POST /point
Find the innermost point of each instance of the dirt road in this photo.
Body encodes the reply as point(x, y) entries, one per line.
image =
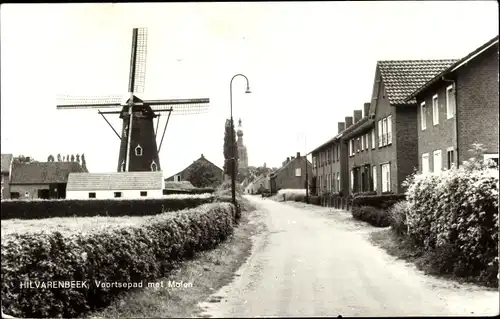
point(315, 261)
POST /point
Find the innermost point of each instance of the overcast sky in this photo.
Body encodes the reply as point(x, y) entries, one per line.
point(309, 65)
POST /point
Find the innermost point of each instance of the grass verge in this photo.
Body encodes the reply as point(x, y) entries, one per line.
point(402, 248)
point(199, 278)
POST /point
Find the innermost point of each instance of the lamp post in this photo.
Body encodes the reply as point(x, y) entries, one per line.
point(233, 141)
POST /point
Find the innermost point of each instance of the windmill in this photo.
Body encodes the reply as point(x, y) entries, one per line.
point(138, 146)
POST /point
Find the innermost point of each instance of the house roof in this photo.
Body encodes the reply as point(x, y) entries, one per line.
point(402, 77)
point(202, 158)
point(6, 162)
point(274, 174)
point(43, 172)
point(115, 181)
point(330, 141)
point(455, 66)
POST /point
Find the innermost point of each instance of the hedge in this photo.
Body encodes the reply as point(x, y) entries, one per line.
point(37, 209)
point(384, 202)
point(171, 191)
point(129, 254)
point(374, 216)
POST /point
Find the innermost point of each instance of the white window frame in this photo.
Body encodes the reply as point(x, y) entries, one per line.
point(177, 178)
point(386, 172)
point(437, 153)
point(374, 177)
point(423, 116)
point(435, 109)
point(389, 130)
point(338, 181)
point(357, 145)
point(425, 163)
point(362, 143)
point(298, 172)
point(138, 150)
point(373, 139)
point(450, 108)
point(153, 164)
point(491, 156)
point(379, 131)
point(384, 131)
point(448, 150)
point(367, 136)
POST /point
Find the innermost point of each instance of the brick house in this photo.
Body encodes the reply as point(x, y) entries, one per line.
point(390, 127)
point(41, 180)
point(328, 162)
point(459, 107)
point(184, 174)
point(6, 174)
point(292, 174)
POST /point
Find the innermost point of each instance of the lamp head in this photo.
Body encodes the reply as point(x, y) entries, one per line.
point(248, 90)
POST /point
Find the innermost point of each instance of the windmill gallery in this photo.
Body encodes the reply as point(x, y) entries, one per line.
point(139, 171)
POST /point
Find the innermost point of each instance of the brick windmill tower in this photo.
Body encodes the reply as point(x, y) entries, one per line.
point(138, 146)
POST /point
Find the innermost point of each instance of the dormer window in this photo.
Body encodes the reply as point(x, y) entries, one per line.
point(138, 150)
point(154, 167)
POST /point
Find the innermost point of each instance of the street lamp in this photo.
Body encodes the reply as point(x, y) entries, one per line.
point(233, 141)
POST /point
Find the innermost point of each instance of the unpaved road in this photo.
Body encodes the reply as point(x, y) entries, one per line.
point(315, 261)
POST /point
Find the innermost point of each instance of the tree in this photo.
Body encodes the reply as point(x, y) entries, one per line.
point(72, 157)
point(201, 175)
point(58, 157)
point(78, 158)
point(227, 148)
point(50, 158)
point(67, 158)
point(23, 159)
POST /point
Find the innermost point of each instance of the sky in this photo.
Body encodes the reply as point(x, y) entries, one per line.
point(309, 64)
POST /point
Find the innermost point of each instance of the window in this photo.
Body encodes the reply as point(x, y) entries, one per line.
point(384, 132)
point(315, 162)
point(386, 178)
point(423, 116)
point(91, 195)
point(338, 181)
point(367, 138)
point(27, 194)
point(435, 110)
point(380, 133)
point(450, 158)
point(425, 163)
point(374, 177)
point(437, 162)
point(352, 180)
point(450, 102)
point(144, 194)
point(297, 172)
point(328, 182)
point(357, 144)
point(177, 178)
point(362, 143)
point(350, 147)
point(14, 195)
point(154, 167)
point(389, 129)
point(373, 138)
point(138, 150)
point(493, 158)
point(118, 194)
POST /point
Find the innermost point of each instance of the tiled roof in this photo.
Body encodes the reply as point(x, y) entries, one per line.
point(115, 181)
point(43, 172)
point(6, 161)
point(201, 159)
point(402, 78)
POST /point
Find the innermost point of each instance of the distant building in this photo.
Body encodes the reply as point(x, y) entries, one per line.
point(292, 174)
point(457, 108)
point(242, 149)
point(209, 166)
point(6, 174)
point(127, 185)
point(41, 180)
point(262, 182)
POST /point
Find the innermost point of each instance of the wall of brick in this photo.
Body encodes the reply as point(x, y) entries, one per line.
point(286, 179)
point(405, 143)
point(477, 103)
point(32, 190)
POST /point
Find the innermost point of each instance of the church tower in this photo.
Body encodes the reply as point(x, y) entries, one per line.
point(242, 150)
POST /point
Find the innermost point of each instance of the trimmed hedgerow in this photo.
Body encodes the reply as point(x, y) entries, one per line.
point(458, 209)
point(384, 202)
point(37, 209)
point(130, 254)
point(374, 216)
point(171, 191)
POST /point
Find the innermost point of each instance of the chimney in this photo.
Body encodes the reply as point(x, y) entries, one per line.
point(341, 127)
point(358, 115)
point(348, 121)
point(288, 160)
point(298, 154)
point(367, 109)
point(202, 156)
point(292, 158)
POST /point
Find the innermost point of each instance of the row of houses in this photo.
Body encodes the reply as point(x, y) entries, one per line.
point(423, 114)
point(57, 180)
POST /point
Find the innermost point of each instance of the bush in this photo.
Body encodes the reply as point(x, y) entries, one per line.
point(37, 209)
point(458, 209)
point(225, 189)
point(129, 254)
point(315, 200)
point(291, 194)
point(361, 194)
point(372, 215)
point(397, 214)
point(192, 191)
point(384, 202)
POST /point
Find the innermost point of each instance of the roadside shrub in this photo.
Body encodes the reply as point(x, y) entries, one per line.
point(397, 214)
point(372, 215)
point(130, 254)
point(36, 209)
point(458, 209)
point(191, 191)
point(225, 189)
point(361, 194)
point(291, 194)
point(384, 202)
point(315, 200)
